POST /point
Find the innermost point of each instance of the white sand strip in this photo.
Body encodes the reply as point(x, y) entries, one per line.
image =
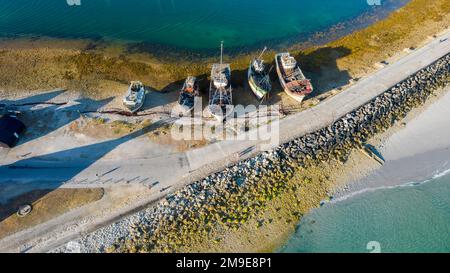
point(419, 151)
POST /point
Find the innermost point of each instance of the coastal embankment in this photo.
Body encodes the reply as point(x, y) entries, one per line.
point(205, 215)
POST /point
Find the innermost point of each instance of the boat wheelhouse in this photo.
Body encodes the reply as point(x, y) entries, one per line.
point(291, 77)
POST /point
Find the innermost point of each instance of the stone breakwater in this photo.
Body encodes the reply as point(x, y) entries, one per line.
point(228, 199)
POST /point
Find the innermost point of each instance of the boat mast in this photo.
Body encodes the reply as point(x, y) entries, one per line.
point(262, 53)
point(221, 71)
point(221, 53)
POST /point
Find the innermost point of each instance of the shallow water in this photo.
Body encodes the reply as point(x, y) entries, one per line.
point(409, 218)
point(192, 24)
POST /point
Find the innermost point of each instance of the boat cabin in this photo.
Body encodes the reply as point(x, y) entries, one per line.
point(136, 86)
point(258, 65)
point(220, 75)
point(288, 62)
point(190, 84)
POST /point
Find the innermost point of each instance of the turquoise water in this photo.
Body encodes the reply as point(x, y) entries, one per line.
point(401, 219)
point(191, 24)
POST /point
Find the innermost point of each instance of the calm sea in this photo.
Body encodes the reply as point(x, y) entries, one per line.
point(190, 24)
point(409, 218)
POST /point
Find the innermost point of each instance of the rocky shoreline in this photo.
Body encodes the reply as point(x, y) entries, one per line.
point(228, 199)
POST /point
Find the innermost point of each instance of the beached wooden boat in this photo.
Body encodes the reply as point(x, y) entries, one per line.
point(371, 152)
point(258, 77)
point(135, 96)
point(291, 77)
point(188, 93)
point(220, 91)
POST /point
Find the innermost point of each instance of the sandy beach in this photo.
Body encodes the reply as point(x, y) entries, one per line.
point(417, 151)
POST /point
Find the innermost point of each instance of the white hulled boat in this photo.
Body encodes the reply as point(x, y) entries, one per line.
point(291, 77)
point(220, 91)
point(135, 96)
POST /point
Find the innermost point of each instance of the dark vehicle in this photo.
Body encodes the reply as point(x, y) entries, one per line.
point(10, 130)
